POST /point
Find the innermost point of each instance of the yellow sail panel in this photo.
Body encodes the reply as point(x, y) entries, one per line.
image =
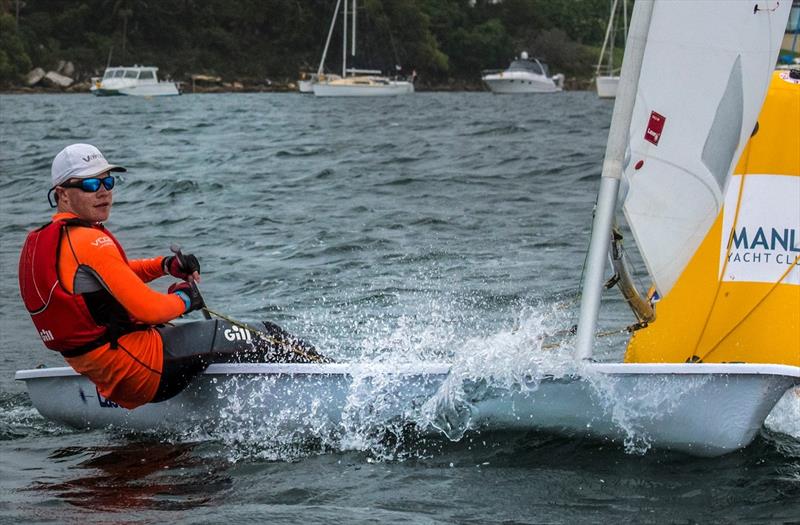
point(738, 299)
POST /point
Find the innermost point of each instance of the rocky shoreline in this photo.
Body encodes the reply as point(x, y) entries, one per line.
point(243, 87)
point(59, 81)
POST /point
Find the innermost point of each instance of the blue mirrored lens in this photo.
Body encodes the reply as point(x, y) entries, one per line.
point(93, 184)
point(90, 184)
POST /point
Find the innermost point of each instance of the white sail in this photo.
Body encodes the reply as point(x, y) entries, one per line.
point(692, 118)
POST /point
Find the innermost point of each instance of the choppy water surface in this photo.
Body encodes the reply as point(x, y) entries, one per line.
point(435, 226)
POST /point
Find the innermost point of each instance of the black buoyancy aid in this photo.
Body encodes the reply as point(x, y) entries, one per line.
point(63, 320)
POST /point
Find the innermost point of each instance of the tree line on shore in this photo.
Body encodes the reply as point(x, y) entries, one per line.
point(446, 42)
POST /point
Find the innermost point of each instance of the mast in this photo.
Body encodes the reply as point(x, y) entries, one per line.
point(612, 25)
point(610, 178)
point(605, 40)
point(353, 46)
point(344, 42)
point(328, 40)
point(625, 19)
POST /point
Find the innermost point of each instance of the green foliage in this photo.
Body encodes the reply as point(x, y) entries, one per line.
point(14, 61)
point(252, 39)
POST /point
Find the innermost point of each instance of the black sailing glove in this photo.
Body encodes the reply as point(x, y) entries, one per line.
point(190, 295)
point(181, 266)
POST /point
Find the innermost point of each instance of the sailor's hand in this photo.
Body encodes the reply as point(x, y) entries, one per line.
point(183, 266)
point(190, 294)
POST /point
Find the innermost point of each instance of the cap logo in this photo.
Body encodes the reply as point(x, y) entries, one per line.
point(90, 158)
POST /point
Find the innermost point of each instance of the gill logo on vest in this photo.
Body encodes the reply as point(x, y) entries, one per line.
point(102, 241)
point(237, 334)
point(46, 335)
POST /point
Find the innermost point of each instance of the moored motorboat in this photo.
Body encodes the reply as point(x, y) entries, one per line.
point(138, 81)
point(524, 75)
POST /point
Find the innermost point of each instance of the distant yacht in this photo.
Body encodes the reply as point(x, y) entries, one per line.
point(361, 82)
point(524, 75)
point(606, 77)
point(139, 81)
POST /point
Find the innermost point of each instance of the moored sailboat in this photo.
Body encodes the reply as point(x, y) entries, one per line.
point(606, 77)
point(360, 82)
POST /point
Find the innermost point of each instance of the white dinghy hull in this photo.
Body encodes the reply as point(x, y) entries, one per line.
point(701, 409)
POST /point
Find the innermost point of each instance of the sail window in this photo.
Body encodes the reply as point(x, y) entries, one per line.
point(723, 137)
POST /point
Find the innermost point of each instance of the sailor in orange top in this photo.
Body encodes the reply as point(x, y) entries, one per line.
point(90, 302)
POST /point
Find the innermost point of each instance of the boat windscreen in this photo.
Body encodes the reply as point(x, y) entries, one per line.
point(526, 65)
point(119, 73)
point(146, 75)
point(108, 74)
point(131, 73)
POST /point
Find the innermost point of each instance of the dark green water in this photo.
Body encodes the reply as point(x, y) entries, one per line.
point(435, 224)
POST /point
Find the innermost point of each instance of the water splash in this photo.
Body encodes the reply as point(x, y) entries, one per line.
point(385, 414)
point(785, 417)
point(514, 358)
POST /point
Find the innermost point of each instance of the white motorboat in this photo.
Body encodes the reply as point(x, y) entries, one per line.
point(524, 75)
point(361, 82)
point(701, 377)
point(137, 81)
point(606, 77)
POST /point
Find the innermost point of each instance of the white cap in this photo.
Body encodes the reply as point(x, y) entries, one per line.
point(79, 161)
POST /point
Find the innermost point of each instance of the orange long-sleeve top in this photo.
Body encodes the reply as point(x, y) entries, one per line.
point(130, 373)
point(94, 250)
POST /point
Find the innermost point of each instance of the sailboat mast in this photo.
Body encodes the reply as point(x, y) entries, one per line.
point(610, 178)
point(605, 40)
point(344, 42)
point(625, 19)
point(353, 45)
point(328, 40)
point(613, 27)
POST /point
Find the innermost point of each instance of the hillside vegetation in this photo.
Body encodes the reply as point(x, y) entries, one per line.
point(444, 41)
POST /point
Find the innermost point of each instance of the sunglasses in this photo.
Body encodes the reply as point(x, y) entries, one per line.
point(92, 184)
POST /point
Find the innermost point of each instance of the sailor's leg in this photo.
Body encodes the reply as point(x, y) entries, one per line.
point(285, 347)
point(187, 353)
point(189, 348)
point(240, 344)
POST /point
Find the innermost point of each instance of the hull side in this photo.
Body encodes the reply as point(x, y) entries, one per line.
point(706, 412)
point(606, 86)
point(322, 89)
point(513, 84)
